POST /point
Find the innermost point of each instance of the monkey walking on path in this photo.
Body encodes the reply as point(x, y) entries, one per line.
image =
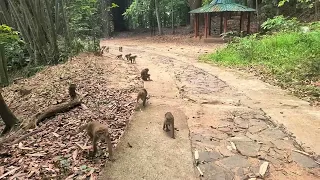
point(120, 48)
point(127, 56)
point(119, 56)
point(169, 120)
point(142, 94)
point(96, 132)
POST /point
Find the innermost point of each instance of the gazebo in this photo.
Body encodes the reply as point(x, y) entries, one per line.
point(222, 7)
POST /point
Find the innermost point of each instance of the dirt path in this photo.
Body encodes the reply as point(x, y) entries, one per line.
point(232, 118)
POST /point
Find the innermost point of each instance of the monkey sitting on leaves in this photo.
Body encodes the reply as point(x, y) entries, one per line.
point(169, 120)
point(144, 75)
point(96, 132)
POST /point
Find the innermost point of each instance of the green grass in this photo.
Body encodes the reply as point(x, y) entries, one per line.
point(290, 59)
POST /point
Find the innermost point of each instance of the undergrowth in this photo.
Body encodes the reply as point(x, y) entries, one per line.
point(290, 59)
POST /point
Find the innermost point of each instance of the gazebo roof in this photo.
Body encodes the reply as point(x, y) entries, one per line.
point(222, 6)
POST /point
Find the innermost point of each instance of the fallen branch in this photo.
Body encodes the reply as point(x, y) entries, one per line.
point(57, 109)
point(302, 152)
point(10, 172)
point(52, 111)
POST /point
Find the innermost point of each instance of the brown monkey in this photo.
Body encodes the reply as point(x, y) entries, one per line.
point(128, 56)
point(142, 94)
point(169, 120)
point(98, 131)
point(100, 52)
point(120, 48)
point(23, 91)
point(132, 58)
point(72, 91)
point(119, 56)
point(144, 74)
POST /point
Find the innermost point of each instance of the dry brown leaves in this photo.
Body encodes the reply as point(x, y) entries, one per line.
point(56, 152)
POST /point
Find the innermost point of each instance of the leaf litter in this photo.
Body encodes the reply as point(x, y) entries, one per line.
point(57, 151)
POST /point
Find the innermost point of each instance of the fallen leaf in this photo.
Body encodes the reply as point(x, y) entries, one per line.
point(55, 134)
point(74, 155)
point(36, 154)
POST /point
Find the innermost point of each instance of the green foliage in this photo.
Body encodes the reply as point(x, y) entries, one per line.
point(140, 13)
point(303, 3)
point(15, 51)
point(292, 58)
point(83, 15)
point(7, 35)
point(280, 23)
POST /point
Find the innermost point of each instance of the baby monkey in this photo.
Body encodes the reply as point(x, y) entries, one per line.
point(133, 59)
point(128, 56)
point(144, 74)
point(169, 120)
point(142, 94)
point(100, 53)
point(72, 91)
point(120, 48)
point(96, 132)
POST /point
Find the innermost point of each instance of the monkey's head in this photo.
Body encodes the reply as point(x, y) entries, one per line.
point(146, 69)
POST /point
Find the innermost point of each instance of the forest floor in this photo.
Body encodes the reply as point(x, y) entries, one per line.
point(234, 121)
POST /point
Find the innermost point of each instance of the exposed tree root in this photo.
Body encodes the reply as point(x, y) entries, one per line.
point(51, 111)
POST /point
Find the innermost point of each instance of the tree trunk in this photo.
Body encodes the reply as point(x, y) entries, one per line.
point(3, 68)
point(7, 116)
point(194, 4)
point(172, 17)
point(158, 16)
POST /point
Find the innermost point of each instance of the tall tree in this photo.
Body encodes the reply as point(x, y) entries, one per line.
point(156, 3)
point(7, 116)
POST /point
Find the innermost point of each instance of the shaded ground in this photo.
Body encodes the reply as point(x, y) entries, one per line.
point(55, 152)
point(235, 120)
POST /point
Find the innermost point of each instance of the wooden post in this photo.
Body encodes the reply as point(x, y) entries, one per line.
point(210, 24)
point(225, 23)
point(221, 22)
point(195, 25)
point(248, 25)
point(198, 24)
point(241, 21)
point(205, 25)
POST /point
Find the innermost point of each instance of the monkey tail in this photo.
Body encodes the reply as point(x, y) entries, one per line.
point(82, 128)
point(173, 129)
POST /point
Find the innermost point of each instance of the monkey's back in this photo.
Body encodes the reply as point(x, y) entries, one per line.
point(95, 127)
point(169, 116)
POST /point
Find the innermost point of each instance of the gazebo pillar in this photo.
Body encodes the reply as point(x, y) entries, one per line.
point(209, 24)
point(248, 25)
point(196, 25)
point(225, 22)
point(206, 24)
point(221, 22)
point(241, 21)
